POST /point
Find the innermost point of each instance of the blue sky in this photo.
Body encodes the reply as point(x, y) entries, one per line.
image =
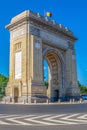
point(71, 13)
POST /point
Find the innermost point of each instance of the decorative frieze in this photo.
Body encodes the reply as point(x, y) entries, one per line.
point(17, 33)
point(34, 31)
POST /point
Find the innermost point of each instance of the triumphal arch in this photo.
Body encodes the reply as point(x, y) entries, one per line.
point(34, 38)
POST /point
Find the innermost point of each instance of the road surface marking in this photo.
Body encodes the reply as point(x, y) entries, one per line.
point(58, 120)
point(74, 119)
point(20, 122)
point(40, 122)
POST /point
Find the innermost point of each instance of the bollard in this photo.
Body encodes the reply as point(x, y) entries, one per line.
point(47, 101)
point(70, 101)
point(59, 101)
point(24, 101)
point(35, 101)
point(80, 100)
point(29, 101)
point(13, 101)
point(73, 100)
point(5, 101)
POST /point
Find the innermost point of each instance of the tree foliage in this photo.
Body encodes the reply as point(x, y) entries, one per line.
point(3, 83)
point(83, 89)
point(46, 84)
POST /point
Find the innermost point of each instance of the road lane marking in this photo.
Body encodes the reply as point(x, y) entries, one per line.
point(83, 116)
point(7, 116)
point(58, 120)
point(20, 122)
point(40, 122)
point(74, 119)
point(43, 120)
point(70, 116)
point(4, 123)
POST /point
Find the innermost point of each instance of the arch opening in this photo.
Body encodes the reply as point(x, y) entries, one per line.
point(53, 75)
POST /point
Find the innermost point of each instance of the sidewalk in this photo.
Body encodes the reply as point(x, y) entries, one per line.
point(46, 103)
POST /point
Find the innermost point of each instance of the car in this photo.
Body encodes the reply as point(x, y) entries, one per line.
point(84, 97)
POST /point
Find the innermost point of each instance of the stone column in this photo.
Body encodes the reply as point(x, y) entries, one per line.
point(68, 67)
point(72, 86)
point(36, 66)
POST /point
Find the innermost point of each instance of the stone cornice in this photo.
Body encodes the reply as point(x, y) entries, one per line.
point(37, 18)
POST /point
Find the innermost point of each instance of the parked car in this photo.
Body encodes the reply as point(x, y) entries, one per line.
point(84, 97)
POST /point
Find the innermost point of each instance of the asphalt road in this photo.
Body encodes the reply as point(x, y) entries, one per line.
point(69, 127)
point(42, 109)
point(40, 117)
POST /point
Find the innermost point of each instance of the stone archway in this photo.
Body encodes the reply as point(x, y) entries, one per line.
point(56, 73)
point(16, 94)
point(33, 38)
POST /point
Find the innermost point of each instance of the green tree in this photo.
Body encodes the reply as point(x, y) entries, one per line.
point(3, 84)
point(46, 84)
point(83, 89)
